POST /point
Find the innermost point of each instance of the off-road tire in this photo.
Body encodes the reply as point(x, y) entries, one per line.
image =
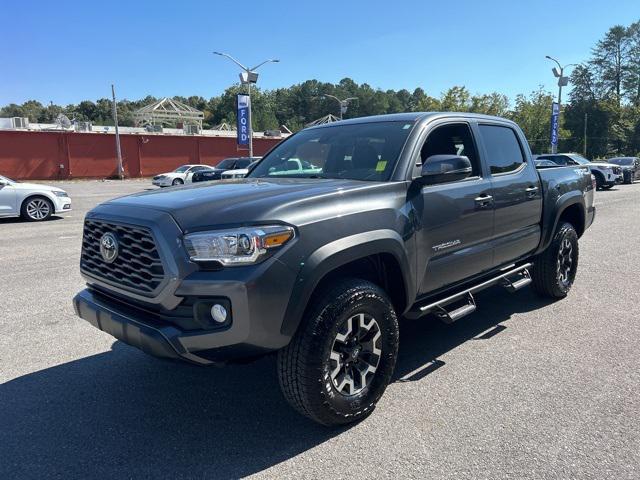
point(546, 271)
point(304, 366)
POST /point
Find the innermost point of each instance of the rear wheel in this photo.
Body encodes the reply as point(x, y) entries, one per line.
point(36, 209)
point(342, 357)
point(555, 268)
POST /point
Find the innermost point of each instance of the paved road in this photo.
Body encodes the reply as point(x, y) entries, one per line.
point(523, 388)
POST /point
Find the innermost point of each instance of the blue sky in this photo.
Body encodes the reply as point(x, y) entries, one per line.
point(66, 51)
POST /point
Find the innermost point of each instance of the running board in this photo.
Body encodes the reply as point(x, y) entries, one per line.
point(513, 279)
point(458, 313)
point(521, 280)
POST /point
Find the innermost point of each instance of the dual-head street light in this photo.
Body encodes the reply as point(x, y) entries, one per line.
point(562, 82)
point(344, 104)
point(247, 77)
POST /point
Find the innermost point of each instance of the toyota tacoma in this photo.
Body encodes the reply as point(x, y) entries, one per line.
point(395, 215)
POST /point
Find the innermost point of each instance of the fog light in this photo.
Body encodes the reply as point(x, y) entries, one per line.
point(219, 313)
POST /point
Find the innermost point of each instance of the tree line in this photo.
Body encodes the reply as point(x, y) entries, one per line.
point(605, 99)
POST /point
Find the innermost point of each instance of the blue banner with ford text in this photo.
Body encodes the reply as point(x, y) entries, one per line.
point(555, 113)
point(244, 128)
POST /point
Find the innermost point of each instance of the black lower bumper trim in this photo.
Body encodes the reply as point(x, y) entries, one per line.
point(156, 340)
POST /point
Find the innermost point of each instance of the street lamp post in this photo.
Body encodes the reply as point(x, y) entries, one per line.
point(247, 77)
point(562, 82)
point(343, 103)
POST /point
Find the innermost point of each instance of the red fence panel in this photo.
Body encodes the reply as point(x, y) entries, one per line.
point(60, 155)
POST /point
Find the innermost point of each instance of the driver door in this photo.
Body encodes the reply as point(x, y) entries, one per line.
point(454, 238)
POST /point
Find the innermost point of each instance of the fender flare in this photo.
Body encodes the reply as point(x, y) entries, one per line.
point(336, 254)
point(551, 220)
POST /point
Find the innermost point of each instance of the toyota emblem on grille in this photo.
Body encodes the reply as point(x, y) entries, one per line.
point(109, 247)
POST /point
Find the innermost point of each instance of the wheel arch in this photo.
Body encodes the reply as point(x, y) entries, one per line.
point(378, 256)
point(32, 195)
point(570, 208)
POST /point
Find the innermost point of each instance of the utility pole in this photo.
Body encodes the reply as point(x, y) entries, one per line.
point(562, 82)
point(248, 76)
point(115, 120)
point(584, 148)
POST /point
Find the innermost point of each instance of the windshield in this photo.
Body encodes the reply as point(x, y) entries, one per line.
point(364, 151)
point(621, 161)
point(6, 179)
point(579, 159)
point(226, 163)
point(182, 169)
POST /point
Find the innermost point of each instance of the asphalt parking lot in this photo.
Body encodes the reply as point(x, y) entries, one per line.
point(523, 388)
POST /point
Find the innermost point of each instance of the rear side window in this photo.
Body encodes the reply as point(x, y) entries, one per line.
point(504, 154)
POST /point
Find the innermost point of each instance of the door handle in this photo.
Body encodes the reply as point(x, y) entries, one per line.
point(532, 192)
point(483, 200)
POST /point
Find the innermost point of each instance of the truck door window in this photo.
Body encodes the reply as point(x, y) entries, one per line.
point(504, 154)
point(452, 139)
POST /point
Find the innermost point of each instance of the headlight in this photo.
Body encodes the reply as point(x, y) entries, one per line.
point(60, 193)
point(241, 246)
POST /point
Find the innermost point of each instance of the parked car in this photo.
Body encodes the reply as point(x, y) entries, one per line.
point(179, 176)
point(31, 201)
point(241, 173)
point(607, 174)
point(630, 167)
point(545, 163)
point(215, 173)
point(403, 215)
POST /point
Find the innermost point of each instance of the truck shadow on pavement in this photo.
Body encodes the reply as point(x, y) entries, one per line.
point(123, 414)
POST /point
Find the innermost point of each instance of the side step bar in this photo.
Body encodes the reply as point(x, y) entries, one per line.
point(513, 279)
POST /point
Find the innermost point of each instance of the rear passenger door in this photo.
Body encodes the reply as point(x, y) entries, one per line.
point(517, 192)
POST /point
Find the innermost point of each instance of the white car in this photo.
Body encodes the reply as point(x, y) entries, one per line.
point(237, 173)
point(607, 174)
point(240, 173)
point(31, 201)
point(179, 176)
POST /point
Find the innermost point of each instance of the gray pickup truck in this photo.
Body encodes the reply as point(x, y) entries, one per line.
point(396, 215)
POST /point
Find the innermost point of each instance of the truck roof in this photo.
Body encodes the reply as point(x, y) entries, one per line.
point(412, 117)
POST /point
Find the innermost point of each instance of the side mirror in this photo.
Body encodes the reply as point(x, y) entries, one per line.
point(445, 168)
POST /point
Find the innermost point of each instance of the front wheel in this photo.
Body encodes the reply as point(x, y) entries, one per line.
point(343, 355)
point(37, 209)
point(555, 269)
point(177, 181)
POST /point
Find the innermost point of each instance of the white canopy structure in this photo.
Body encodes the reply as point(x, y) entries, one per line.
point(322, 120)
point(170, 111)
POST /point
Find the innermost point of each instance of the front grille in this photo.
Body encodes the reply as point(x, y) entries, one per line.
point(616, 170)
point(137, 267)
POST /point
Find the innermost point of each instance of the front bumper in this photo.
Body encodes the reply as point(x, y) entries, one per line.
point(154, 339)
point(62, 204)
point(256, 307)
point(165, 182)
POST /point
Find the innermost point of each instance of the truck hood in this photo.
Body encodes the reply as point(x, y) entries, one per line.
point(246, 201)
